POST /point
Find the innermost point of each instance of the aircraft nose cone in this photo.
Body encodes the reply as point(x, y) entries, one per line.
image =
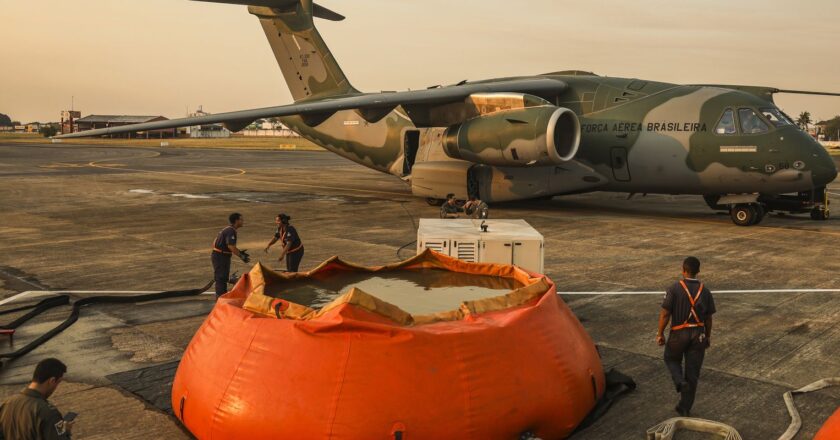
point(825, 171)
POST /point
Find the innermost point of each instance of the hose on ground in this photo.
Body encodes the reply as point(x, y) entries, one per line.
point(795, 420)
point(49, 303)
point(413, 224)
point(667, 429)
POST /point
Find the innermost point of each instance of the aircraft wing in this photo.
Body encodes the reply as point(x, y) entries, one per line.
point(418, 104)
point(767, 92)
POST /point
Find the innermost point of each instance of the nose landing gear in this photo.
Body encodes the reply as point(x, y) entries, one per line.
point(750, 209)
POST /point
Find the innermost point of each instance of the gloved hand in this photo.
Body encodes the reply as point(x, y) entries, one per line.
point(243, 254)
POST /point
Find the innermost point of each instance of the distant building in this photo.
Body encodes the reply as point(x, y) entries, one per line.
point(265, 127)
point(206, 131)
point(68, 121)
point(33, 127)
point(828, 130)
point(94, 122)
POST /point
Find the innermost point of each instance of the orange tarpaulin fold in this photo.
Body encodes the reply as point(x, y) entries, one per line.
point(361, 368)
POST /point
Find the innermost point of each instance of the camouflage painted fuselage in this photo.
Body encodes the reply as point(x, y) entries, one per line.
point(636, 136)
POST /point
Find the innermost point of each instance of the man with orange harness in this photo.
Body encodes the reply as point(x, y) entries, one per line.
point(292, 246)
point(689, 306)
point(223, 247)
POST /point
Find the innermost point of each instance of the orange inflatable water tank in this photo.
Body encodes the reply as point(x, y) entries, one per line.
point(263, 367)
point(831, 428)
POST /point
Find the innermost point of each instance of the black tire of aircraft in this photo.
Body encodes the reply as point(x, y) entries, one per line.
point(819, 214)
point(746, 214)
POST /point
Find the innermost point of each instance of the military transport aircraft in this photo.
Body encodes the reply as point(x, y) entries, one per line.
point(539, 136)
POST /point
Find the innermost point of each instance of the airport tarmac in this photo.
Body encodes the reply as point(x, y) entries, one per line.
point(134, 219)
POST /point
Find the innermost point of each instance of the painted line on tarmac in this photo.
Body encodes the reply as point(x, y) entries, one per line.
point(662, 292)
point(40, 293)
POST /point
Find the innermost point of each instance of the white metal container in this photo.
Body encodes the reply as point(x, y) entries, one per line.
point(505, 241)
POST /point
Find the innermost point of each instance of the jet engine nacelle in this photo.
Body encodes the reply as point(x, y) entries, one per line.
point(545, 135)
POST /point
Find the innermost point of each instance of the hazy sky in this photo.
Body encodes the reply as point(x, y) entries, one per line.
point(164, 56)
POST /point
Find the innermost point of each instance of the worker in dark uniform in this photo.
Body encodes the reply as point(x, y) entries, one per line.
point(477, 209)
point(28, 415)
point(689, 307)
point(450, 208)
point(223, 247)
point(288, 236)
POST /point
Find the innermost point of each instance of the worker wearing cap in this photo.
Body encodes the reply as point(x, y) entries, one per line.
point(288, 236)
point(689, 307)
point(223, 247)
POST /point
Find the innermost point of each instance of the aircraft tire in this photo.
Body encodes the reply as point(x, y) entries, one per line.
point(760, 212)
point(819, 214)
point(743, 214)
point(434, 202)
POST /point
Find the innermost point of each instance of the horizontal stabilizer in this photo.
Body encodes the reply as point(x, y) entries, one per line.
point(283, 5)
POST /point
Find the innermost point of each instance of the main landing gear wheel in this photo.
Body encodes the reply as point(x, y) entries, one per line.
point(746, 214)
point(819, 214)
point(760, 211)
point(434, 202)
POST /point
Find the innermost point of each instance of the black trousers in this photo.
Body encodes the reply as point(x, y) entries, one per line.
point(221, 271)
point(293, 260)
point(685, 344)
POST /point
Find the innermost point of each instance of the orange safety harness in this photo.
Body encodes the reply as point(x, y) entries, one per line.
point(283, 240)
point(216, 249)
point(692, 312)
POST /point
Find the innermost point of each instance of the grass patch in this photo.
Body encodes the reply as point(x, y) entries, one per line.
point(22, 136)
point(236, 142)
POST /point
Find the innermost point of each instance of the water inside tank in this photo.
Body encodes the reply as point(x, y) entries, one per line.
point(420, 291)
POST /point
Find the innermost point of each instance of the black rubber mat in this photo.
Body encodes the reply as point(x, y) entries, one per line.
point(152, 384)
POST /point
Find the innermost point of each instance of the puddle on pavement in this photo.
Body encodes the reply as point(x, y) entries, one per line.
point(287, 197)
point(262, 197)
point(417, 292)
point(190, 196)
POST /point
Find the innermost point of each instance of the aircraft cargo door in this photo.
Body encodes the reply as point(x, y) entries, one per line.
point(620, 167)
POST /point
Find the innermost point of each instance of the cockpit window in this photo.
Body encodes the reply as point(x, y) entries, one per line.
point(727, 123)
point(775, 117)
point(751, 123)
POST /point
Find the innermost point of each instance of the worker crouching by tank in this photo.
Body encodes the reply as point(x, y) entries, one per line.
point(288, 236)
point(689, 307)
point(450, 207)
point(475, 208)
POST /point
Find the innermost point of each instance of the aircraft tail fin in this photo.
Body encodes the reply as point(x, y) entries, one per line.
point(307, 64)
point(304, 58)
